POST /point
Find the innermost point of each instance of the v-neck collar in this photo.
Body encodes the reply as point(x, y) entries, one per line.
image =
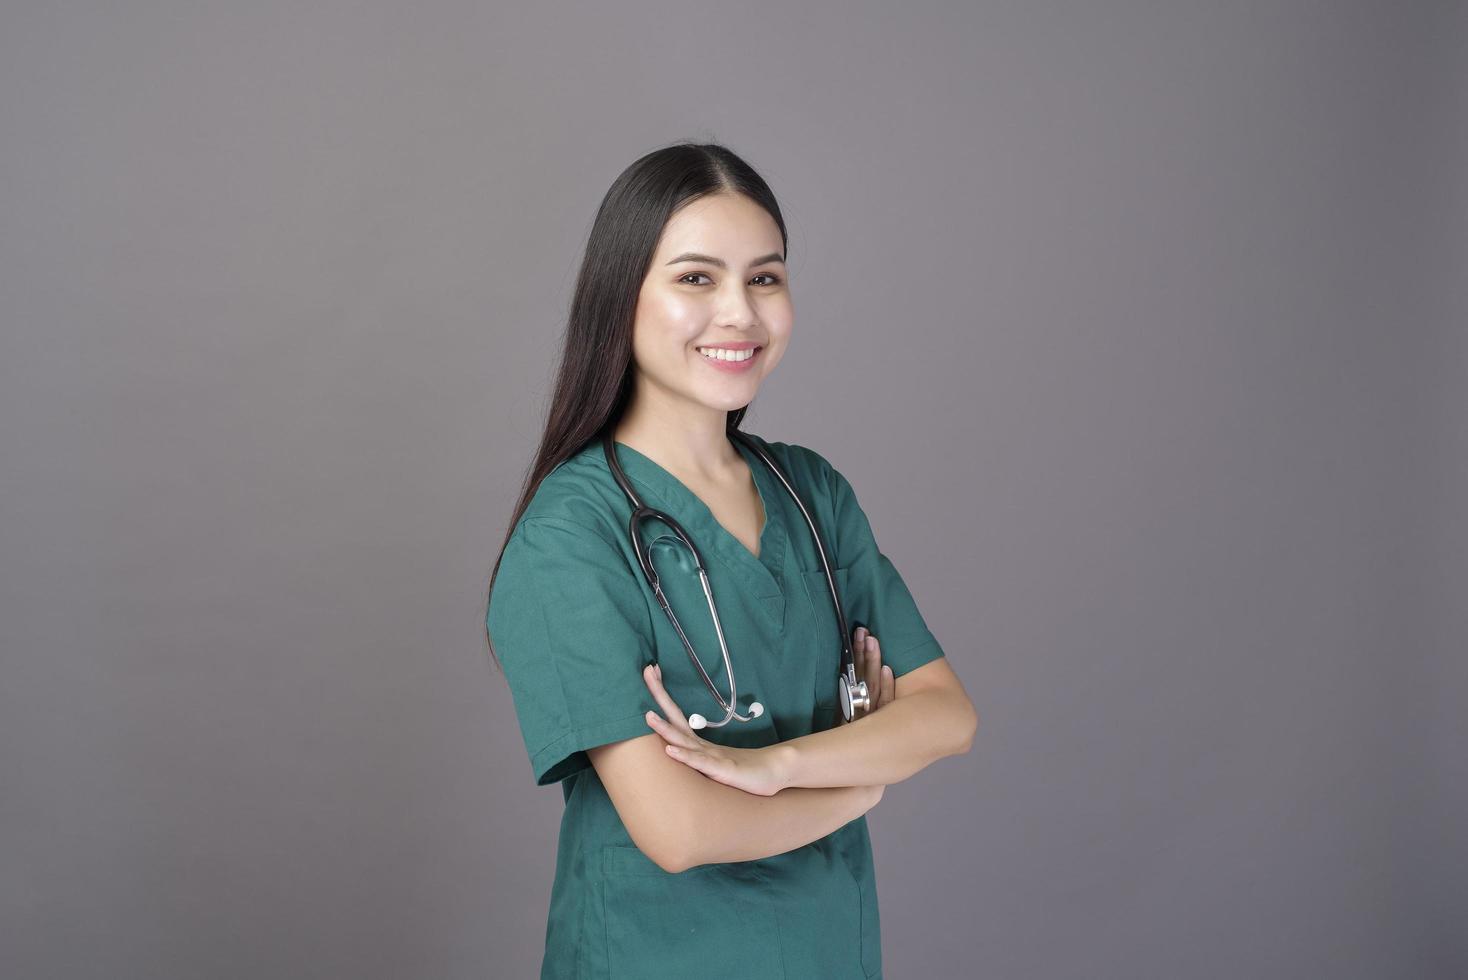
point(760, 575)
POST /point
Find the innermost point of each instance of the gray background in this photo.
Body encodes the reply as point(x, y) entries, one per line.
point(1137, 327)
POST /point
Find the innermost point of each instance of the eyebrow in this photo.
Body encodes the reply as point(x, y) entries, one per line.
point(710, 260)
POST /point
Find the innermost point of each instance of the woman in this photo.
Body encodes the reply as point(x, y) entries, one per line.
point(739, 847)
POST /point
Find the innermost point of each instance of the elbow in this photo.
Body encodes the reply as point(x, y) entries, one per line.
point(673, 847)
point(678, 856)
point(677, 851)
point(665, 854)
point(969, 730)
point(672, 864)
point(663, 843)
point(672, 852)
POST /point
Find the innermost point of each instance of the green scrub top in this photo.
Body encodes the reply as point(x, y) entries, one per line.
point(573, 623)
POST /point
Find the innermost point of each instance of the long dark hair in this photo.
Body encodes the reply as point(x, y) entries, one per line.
point(596, 376)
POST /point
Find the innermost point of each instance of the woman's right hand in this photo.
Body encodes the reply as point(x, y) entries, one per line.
point(866, 655)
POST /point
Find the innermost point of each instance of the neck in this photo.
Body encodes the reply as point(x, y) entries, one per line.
point(681, 439)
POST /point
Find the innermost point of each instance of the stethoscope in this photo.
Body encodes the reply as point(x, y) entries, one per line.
point(853, 692)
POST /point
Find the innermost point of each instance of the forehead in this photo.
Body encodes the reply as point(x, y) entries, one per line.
point(728, 226)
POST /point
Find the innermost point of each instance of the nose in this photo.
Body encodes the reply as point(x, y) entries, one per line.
point(735, 308)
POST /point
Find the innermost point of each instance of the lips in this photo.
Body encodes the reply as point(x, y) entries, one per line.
point(732, 345)
point(732, 367)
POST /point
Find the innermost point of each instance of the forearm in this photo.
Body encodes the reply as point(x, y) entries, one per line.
point(902, 737)
point(732, 825)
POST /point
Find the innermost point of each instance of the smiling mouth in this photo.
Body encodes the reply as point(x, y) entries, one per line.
point(723, 355)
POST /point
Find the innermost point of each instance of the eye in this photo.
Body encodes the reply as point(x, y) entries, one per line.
point(774, 279)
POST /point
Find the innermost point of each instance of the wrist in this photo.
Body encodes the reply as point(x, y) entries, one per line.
point(787, 763)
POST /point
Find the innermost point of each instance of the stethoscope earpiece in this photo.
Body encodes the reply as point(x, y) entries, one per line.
point(697, 721)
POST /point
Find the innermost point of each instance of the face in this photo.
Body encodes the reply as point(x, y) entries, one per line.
point(735, 296)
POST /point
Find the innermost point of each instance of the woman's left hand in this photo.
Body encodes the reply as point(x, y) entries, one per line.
point(758, 771)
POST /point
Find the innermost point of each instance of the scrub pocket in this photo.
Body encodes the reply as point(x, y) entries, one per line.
point(694, 923)
point(826, 640)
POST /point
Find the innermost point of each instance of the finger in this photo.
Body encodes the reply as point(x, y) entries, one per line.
point(670, 734)
point(670, 710)
point(874, 672)
point(653, 675)
point(701, 761)
point(715, 767)
point(889, 686)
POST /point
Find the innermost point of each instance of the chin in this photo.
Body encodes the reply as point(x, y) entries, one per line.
point(727, 403)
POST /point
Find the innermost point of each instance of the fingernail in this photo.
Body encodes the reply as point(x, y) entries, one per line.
point(659, 669)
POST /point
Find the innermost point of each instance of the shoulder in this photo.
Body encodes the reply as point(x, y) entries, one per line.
point(802, 464)
point(579, 492)
point(808, 469)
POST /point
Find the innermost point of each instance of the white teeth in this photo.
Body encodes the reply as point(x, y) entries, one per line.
point(720, 354)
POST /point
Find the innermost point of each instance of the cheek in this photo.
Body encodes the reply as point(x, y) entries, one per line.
point(777, 314)
point(680, 317)
point(673, 309)
point(781, 325)
point(771, 357)
point(664, 323)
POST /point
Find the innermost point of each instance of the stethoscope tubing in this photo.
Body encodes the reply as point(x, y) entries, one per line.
point(641, 512)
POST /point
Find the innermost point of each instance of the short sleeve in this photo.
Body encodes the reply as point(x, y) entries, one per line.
point(876, 596)
point(571, 627)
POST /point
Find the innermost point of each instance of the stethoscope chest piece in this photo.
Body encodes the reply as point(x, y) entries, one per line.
point(854, 697)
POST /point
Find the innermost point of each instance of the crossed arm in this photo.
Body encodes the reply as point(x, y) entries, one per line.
point(930, 717)
point(745, 804)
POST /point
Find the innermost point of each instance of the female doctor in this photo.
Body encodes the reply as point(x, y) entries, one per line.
point(714, 812)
